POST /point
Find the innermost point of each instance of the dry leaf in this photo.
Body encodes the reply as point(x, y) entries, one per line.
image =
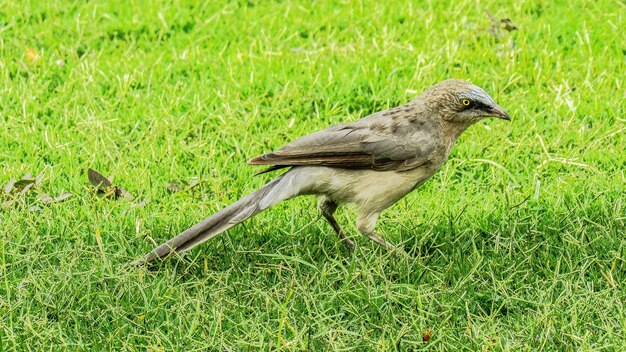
point(27, 187)
point(193, 184)
point(508, 25)
point(97, 180)
point(46, 199)
point(427, 334)
point(9, 187)
point(495, 27)
point(23, 183)
point(493, 20)
point(8, 203)
point(39, 179)
point(141, 203)
point(173, 187)
point(121, 192)
point(60, 198)
point(104, 185)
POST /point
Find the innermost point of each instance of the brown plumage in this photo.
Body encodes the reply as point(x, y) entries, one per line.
point(371, 162)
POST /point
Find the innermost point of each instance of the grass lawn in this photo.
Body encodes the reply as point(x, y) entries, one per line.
point(518, 243)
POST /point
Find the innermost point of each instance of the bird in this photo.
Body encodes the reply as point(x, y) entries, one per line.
point(370, 163)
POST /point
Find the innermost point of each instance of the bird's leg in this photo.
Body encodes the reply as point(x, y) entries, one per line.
point(327, 207)
point(365, 223)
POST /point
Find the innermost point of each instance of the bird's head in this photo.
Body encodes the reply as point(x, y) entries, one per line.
point(462, 103)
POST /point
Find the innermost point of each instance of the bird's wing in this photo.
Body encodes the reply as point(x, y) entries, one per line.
point(380, 142)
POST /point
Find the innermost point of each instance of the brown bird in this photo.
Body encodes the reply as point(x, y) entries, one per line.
point(371, 163)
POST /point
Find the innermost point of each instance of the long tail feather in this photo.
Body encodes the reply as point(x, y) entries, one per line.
point(221, 221)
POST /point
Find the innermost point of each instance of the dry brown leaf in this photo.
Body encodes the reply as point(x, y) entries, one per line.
point(104, 185)
point(493, 20)
point(49, 200)
point(193, 184)
point(27, 187)
point(496, 26)
point(23, 183)
point(122, 193)
point(39, 179)
point(508, 25)
point(46, 199)
point(9, 187)
point(173, 187)
point(98, 180)
point(427, 335)
point(141, 203)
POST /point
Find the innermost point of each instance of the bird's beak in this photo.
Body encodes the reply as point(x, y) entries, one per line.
point(499, 112)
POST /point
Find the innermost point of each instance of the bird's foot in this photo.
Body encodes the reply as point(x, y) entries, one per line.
point(347, 242)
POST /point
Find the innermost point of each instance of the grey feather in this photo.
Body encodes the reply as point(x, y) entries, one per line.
point(219, 222)
point(397, 139)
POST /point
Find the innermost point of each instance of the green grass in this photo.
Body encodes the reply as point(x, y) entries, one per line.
point(518, 243)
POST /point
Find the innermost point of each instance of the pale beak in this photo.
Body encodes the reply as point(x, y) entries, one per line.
point(499, 112)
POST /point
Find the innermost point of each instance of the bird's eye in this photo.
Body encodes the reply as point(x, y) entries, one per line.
point(465, 102)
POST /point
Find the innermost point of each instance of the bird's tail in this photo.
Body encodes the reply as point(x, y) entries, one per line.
point(245, 208)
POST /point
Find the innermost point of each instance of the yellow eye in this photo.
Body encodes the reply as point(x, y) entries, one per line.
point(465, 102)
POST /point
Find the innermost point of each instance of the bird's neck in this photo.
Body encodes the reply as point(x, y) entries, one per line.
point(454, 129)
